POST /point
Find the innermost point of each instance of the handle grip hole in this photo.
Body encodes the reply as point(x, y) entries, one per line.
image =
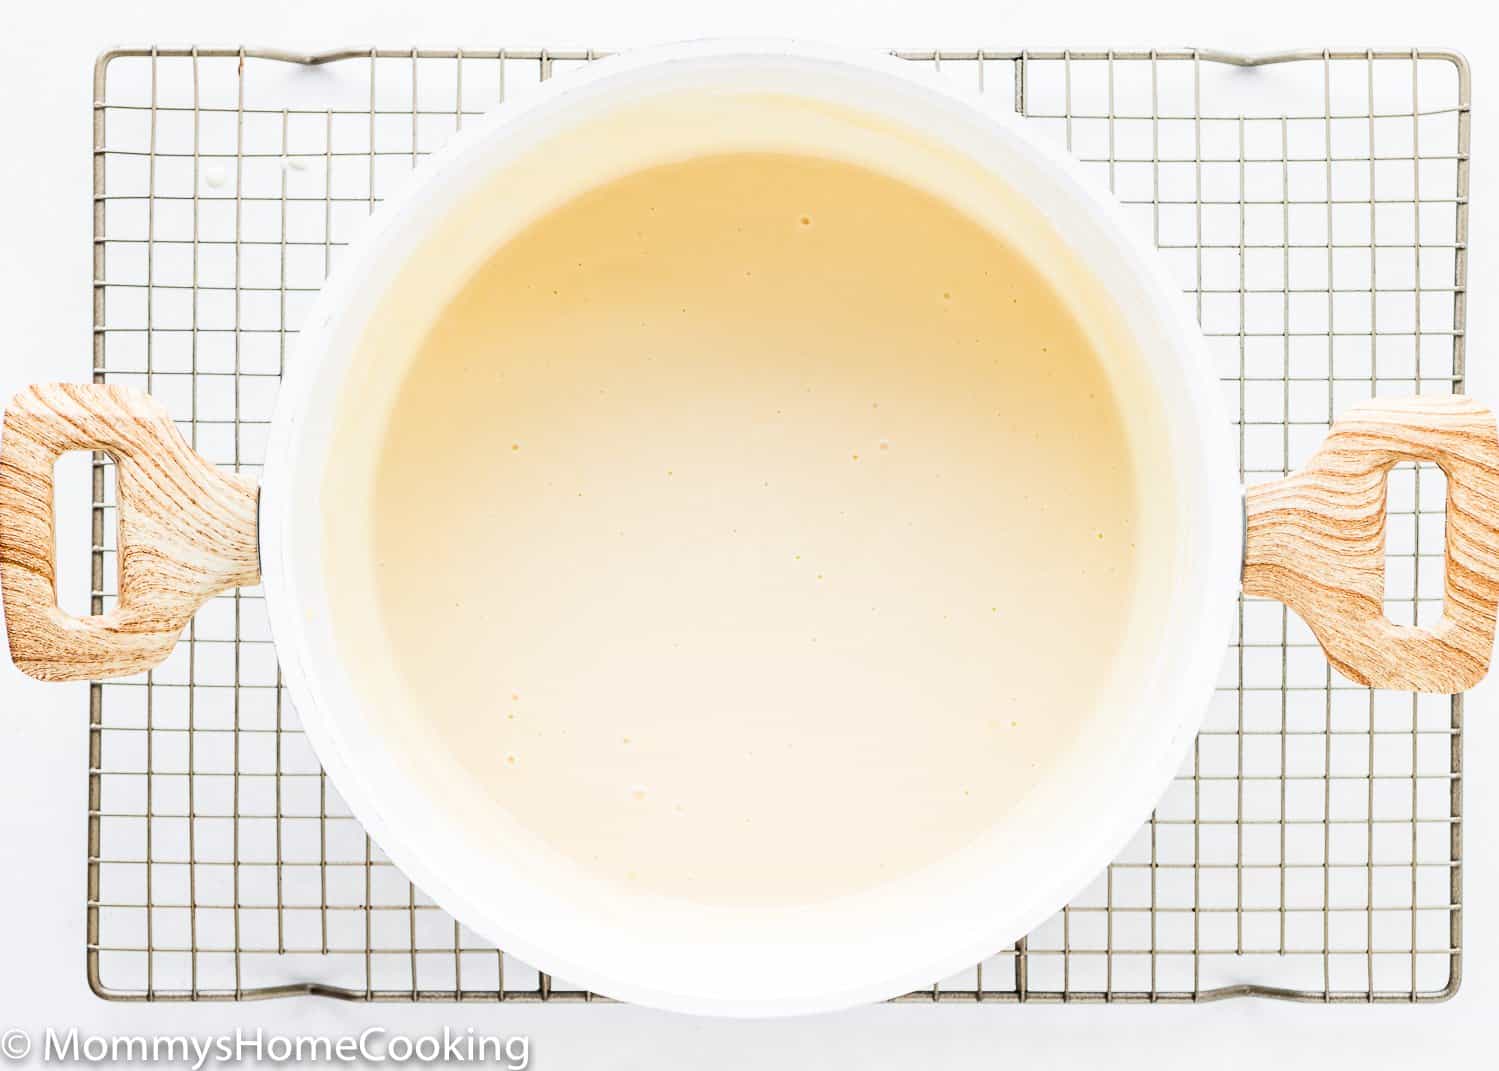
point(1415, 544)
point(89, 476)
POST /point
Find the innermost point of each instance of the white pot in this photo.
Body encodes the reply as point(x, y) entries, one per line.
point(577, 131)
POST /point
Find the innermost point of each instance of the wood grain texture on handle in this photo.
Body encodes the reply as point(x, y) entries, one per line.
point(1316, 542)
point(187, 531)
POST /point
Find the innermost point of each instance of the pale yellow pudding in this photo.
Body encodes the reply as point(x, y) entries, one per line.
point(754, 529)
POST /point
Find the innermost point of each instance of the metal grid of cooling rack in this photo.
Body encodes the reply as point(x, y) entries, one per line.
point(1313, 206)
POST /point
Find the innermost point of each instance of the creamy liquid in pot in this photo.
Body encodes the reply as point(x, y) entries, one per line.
point(755, 529)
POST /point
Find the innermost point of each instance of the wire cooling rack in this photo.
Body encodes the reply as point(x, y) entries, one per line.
point(1313, 206)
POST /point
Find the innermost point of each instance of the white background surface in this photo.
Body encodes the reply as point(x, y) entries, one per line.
point(46, 54)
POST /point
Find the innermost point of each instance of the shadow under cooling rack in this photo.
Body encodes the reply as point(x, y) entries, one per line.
point(1313, 207)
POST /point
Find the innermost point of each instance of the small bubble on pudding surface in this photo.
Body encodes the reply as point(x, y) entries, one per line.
point(638, 793)
point(806, 221)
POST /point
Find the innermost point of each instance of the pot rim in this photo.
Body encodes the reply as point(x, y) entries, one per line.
point(305, 388)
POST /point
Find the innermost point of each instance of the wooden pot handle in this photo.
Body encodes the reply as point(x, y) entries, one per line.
point(1315, 541)
point(186, 531)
